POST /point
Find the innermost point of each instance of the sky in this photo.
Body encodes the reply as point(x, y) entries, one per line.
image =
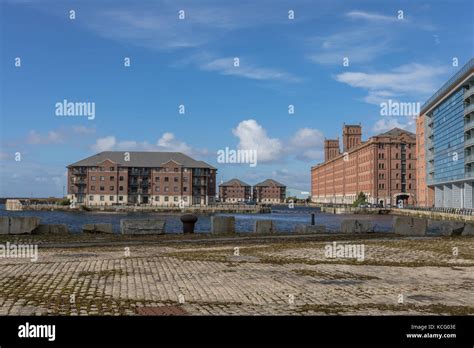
point(334, 62)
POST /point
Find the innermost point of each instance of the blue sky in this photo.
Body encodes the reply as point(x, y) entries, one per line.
point(190, 61)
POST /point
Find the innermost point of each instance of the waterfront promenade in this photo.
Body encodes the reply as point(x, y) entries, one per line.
point(235, 275)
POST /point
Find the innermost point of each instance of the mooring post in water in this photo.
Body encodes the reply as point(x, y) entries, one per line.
point(312, 219)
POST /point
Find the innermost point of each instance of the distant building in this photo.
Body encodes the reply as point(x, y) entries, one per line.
point(384, 168)
point(234, 190)
point(150, 178)
point(269, 191)
point(446, 143)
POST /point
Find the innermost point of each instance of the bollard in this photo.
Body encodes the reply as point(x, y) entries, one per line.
point(312, 219)
point(188, 221)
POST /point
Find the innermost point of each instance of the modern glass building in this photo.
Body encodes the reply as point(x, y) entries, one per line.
point(449, 141)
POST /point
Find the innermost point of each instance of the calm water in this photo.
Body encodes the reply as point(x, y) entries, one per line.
point(284, 218)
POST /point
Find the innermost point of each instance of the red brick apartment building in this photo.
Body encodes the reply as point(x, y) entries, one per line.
point(383, 167)
point(234, 191)
point(269, 191)
point(150, 178)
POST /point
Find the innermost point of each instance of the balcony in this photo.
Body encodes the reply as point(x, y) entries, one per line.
point(469, 158)
point(469, 174)
point(469, 142)
point(468, 109)
point(79, 182)
point(79, 171)
point(469, 125)
point(468, 93)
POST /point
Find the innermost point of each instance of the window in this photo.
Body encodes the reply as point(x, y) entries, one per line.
point(112, 169)
point(175, 189)
point(91, 198)
point(111, 198)
point(112, 177)
point(185, 179)
point(185, 199)
point(102, 169)
point(120, 198)
point(167, 189)
point(157, 178)
point(176, 179)
point(185, 189)
point(157, 189)
point(111, 188)
point(93, 178)
point(92, 188)
point(175, 198)
point(102, 178)
point(102, 198)
point(121, 188)
point(157, 198)
point(176, 170)
point(121, 178)
point(167, 198)
point(167, 179)
point(102, 188)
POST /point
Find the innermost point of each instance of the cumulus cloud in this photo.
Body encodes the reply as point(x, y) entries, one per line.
point(253, 136)
point(305, 144)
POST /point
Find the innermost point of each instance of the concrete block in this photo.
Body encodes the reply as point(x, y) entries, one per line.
point(409, 226)
point(468, 230)
point(222, 224)
point(452, 228)
point(356, 226)
point(142, 226)
point(4, 224)
point(51, 229)
point(97, 228)
point(264, 226)
point(23, 225)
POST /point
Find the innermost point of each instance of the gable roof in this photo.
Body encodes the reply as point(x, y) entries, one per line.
point(142, 159)
point(270, 182)
point(234, 181)
point(396, 132)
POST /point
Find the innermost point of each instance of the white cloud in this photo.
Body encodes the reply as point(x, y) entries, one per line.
point(52, 137)
point(386, 124)
point(225, 66)
point(370, 16)
point(167, 142)
point(104, 144)
point(253, 136)
point(414, 80)
point(82, 130)
point(305, 144)
point(359, 45)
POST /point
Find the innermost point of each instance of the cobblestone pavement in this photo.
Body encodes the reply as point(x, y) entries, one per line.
point(432, 275)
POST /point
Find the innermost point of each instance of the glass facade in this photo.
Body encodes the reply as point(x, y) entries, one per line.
point(448, 139)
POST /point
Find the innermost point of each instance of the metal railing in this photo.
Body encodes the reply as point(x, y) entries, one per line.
point(456, 211)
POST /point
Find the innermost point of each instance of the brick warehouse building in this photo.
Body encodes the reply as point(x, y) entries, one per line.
point(269, 191)
point(383, 167)
point(153, 178)
point(445, 129)
point(234, 190)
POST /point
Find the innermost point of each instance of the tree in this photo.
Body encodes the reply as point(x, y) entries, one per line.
point(361, 199)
